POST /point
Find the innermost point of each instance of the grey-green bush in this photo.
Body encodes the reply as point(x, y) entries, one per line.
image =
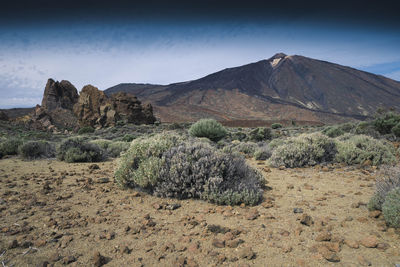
point(384, 123)
point(10, 146)
point(247, 148)
point(200, 171)
point(140, 164)
point(209, 128)
point(306, 149)
point(36, 149)
point(389, 181)
point(116, 148)
point(78, 150)
point(356, 149)
point(396, 130)
point(391, 208)
point(263, 153)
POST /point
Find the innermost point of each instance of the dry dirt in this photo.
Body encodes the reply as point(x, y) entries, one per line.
point(57, 213)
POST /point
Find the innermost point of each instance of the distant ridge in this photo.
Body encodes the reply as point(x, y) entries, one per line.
point(281, 87)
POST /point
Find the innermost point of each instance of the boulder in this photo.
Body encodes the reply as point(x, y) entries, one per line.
point(87, 109)
point(59, 95)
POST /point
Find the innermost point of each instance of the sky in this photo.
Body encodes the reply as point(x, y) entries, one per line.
point(162, 42)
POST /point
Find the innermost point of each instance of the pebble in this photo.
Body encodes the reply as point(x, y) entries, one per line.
point(363, 261)
point(218, 243)
point(306, 220)
point(98, 259)
point(351, 243)
point(297, 210)
point(324, 236)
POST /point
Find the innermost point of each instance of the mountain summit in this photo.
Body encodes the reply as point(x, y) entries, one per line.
point(281, 87)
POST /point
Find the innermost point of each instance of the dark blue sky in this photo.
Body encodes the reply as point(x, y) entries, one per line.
point(164, 42)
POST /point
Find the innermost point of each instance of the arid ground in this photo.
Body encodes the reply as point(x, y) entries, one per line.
point(55, 213)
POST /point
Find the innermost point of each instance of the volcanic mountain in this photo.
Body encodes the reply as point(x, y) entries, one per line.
point(279, 88)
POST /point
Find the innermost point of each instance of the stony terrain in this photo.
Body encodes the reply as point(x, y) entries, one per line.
point(58, 213)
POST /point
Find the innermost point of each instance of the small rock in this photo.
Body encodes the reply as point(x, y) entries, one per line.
point(246, 253)
point(329, 255)
point(218, 243)
point(306, 220)
point(173, 206)
point(297, 210)
point(98, 259)
point(383, 246)
point(363, 261)
point(68, 259)
point(13, 244)
point(190, 262)
point(103, 180)
point(252, 215)
point(94, 167)
point(374, 214)
point(233, 243)
point(369, 241)
point(110, 235)
point(351, 243)
point(324, 236)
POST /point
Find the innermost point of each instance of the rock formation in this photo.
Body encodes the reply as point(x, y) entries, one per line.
point(59, 95)
point(95, 109)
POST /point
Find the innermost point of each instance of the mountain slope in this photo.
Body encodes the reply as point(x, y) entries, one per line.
point(282, 87)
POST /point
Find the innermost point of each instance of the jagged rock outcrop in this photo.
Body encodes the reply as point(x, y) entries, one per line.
point(59, 95)
point(95, 109)
point(3, 116)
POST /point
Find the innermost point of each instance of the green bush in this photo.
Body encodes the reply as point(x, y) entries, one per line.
point(391, 208)
point(128, 138)
point(115, 149)
point(86, 129)
point(306, 149)
point(10, 146)
point(260, 134)
point(333, 131)
point(102, 143)
point(276, 126)
point(209, 128)
point(139, 165)
point(239, 135)
point(78, 150)
point(36, 149)
point(356, 149)
point(396, 130)
point(386, 122)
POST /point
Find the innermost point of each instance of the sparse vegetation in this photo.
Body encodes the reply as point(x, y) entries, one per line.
point(276, 126)
point(86, 129)
point(246, 148)
point(36, 149)
point(78, 150)
point(304, 150)
point(356, 149)
point(260, 134)
point(209, 128)
point(263, 153)
point(10, 146)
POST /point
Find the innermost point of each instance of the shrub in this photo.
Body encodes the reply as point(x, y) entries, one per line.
point(263, 153)
point(356, 149)
point(102, 143)
point(386, 122)
point(10, 146)
point(78, 150)
point(86, 129)
point(391, 208)
point(276, 126)
point(36, 149)
point(247, 148)
point(209, 128)
point(333, 131)
point(200, 171)
point(260, 134)
point(390, 181)
point(115, 149)
point(306, 149)
point(128, 138)
point(139, 166)
point(240, 136)
point(396, 130)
